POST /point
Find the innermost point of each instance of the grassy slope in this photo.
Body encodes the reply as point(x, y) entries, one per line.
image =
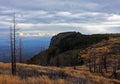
point(33, 74)
point(110, 49)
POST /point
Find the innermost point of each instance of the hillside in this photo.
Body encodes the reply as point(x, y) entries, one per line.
point(33, 74)
point(98, 62)
point(65, 47)
point(99, 53)
point(104, 58)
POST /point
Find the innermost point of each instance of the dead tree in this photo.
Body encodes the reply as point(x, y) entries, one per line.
point(89, 62)
point(89, 65)
point(100, 64)
point(104, 57)
point(115, 65)
point(94, 62)
point(105, 62)
point(13, 46)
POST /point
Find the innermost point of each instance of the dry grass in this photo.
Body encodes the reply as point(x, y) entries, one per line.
point(33, 74)
point(8, 79)
point(109, 49)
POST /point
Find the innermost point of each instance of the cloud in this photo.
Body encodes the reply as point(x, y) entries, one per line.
point(87, 22)
point(54, 28)
point(114, 17)
point(64, 14)
point(36, 34)
point(45, 17)
point(54, 5)
point(64, 5)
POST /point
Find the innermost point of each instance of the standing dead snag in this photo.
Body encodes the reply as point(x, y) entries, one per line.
point(100, 64)
point(105, 59)
point(105, 62)
point(115, 65)
point(13, 46)
point(92, 60)
point(89, 62)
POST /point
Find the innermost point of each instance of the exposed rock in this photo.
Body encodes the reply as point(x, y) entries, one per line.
point(57, 38)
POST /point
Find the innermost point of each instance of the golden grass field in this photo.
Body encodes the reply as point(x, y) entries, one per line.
point(33, 74)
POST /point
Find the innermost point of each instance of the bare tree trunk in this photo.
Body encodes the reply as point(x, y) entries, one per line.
point(89, 65)
point(105, 56)
point(94, 62)
point(90, 62)
point(114, 72)
point(115, 64)
point(100, 65)
point(100, 70)
point(105, 62)
point(13, 46)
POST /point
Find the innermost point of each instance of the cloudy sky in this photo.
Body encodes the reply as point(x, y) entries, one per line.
point(49, 17)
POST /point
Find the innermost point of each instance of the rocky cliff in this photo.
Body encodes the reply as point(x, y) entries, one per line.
point(65, 47)
point(58, 38)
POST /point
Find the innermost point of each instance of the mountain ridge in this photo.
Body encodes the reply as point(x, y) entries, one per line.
point(66, 46)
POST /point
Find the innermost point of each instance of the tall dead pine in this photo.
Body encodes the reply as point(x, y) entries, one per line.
point(13, 46)
point(115, 65)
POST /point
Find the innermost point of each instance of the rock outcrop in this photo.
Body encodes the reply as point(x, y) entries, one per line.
point(58, 38)
point(65, 47)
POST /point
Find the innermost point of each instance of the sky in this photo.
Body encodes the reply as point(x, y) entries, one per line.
point(49, 17)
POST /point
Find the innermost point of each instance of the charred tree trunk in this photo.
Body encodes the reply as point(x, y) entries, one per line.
point(105, 62)
point(115, 65)
point(114, 72)
point(94, 62)
point(89, 65)
point(13, 46)
point(100, 64)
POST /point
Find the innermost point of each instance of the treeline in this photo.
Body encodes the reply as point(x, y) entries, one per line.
point(79, 41)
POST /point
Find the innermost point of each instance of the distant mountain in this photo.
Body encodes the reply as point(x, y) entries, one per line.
point(65, 48)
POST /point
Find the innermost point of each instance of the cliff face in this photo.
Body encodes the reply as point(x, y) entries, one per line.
point(65, 47)
point(60, 41)
point(58, 38)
